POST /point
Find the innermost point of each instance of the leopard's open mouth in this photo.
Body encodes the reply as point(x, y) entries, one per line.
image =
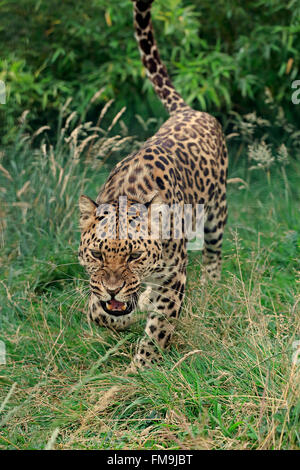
point(116, 308)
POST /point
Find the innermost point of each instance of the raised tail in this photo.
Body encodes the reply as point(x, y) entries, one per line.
point(156, 70)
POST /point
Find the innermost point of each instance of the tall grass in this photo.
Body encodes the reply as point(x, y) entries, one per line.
point(230, 379)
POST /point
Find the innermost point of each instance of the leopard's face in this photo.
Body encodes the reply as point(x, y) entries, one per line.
point(117, 268)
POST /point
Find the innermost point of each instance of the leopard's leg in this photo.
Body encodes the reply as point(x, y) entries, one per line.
point(99, 316)
point(213, 238)
point(215, 221)
point(164, 309)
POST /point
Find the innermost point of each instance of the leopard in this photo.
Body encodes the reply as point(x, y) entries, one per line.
point(184, 162)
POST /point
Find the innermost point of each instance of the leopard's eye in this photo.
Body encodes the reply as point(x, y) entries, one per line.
point(97, 255)
point(135, 256)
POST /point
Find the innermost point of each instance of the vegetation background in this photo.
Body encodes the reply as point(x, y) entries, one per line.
point(77, 101)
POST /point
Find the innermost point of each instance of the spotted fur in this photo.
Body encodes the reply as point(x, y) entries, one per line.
point(184, 162)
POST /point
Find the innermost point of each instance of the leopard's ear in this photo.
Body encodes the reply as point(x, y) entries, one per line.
point(153, 198)
point(87, 211)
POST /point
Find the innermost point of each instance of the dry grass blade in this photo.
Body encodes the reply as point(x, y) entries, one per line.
point(6, 173)
point(51, 443)
point(8, 396)
point(191, 353)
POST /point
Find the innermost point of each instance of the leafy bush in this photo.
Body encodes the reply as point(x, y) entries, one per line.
point(221, 57)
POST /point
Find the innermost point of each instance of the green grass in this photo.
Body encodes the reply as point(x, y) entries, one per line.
point(228, 381)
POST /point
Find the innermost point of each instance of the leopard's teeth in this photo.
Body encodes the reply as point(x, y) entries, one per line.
point(110, 307)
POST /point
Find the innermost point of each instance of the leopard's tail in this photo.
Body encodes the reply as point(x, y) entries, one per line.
point(156, 70)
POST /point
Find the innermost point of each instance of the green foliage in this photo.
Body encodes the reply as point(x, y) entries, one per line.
point(221, 57)
point(45, 181)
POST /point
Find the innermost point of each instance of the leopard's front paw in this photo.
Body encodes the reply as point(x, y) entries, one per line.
point(146, 355)
point(144, 302)
point(210, 273)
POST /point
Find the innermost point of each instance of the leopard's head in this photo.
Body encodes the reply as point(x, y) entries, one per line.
point(117, 264)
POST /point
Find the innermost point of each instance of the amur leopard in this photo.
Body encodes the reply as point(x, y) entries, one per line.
point(185, 162)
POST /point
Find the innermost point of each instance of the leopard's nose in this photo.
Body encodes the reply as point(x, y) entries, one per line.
point(115, 290)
